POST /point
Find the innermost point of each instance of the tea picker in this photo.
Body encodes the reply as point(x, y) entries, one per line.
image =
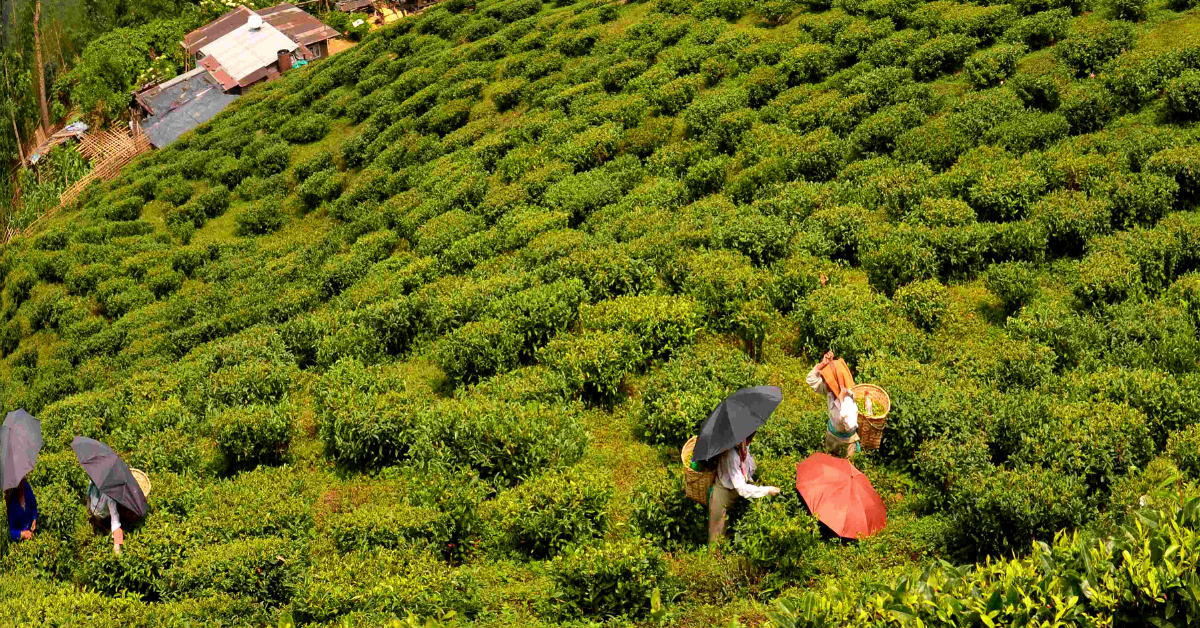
point(115, 489)
point(831, 377)
point(718, 465)
point(20, 442)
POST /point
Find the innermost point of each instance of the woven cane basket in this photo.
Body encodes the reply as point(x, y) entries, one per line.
point(870, 429)
point(695, 483)
point(143, 481)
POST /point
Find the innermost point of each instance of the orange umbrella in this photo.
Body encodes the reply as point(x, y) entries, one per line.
point(840, 496)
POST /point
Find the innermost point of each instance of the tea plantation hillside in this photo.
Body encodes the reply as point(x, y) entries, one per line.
point(422, 327)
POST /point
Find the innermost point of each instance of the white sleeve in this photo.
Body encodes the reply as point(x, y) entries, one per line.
point(814, 379)
point(851, 421)
point(734, 473)
point(114, 518)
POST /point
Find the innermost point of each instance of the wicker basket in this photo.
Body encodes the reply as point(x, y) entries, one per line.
point(143, 481)
point(695, 483)
point(870, 429)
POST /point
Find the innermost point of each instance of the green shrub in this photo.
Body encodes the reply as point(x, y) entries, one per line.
point(214, 202)
point(1040, 29)
point(944, 53)
point(174, 190)
point(321, 187)
point(719, 282)
point(1094, 442)
point(480, 349)
point(261, 218)
point(990, 67)
point(304, 129)
point(1039, 91)
point(900, 258)
point(317, 163)
point(253, 435)
point(1180, 164)
point(386, 582)
point(595, 363)
point(941, 212)
point(503, 442)
point(680, 396)
point(272, 159)
point(263, 569)
point(163, 280)
point(923, 303)
point(773, 539)
point(665, 515)
point(1139, 199)
point(544, 515)
point(998, 513)
point(1184, 448)
point(948, 460)
point(1072, 219)
point(807, 63)
point(1183, 95)
point(1091, 43)
point(1087, 107)
point(438, 234)
point(664, 325)
point(1132, 10)
point(1014, 283)
point(613, 579)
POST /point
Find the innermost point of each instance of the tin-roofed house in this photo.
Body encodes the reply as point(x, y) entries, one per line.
point(244, 47)
point(233, 52)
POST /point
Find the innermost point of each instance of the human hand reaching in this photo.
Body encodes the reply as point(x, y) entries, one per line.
point(26, 535)
point(33, 526)
point(772, 490)
point(118, 540)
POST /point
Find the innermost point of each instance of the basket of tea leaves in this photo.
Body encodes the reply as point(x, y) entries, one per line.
point(873, 407)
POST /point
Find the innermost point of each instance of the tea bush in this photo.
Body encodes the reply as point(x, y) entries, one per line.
point(776, 540)
point(665, 515)
point(664, 325)
point(990, 67)
point(545, 515)
point(480, 349)
point(253, 435)
point(684, 391)
point(923, 303)
point(1183, 95)
point(608, 580)
point(262, 217)
point(305, 129)
point(595, 363)
point(1184, 448)
point(1014, 283)
point(1091, 43)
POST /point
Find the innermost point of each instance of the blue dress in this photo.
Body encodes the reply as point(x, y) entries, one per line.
point(20, 519)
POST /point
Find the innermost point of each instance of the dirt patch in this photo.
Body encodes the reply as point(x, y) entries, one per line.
point(339, 44)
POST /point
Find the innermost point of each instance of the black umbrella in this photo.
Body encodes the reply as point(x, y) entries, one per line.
point(110, 474)
point(20, 442)
point(734, 419)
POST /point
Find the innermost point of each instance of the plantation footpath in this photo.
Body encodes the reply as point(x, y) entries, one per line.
point(423, 327)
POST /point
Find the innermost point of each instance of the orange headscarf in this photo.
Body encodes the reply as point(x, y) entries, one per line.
point(837, 377)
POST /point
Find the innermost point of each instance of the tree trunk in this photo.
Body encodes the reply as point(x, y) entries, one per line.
point(13, 114)
point(41, 69)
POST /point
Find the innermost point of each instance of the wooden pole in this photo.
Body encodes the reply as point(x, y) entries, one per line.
point(12, 112)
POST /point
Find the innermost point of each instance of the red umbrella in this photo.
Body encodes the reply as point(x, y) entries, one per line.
point(840, 496)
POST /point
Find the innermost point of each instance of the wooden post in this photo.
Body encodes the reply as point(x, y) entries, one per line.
point(13, 114)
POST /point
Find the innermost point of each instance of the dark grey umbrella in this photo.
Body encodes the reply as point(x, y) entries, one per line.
point(110, 474)
point(734, 419)
point(20, 442)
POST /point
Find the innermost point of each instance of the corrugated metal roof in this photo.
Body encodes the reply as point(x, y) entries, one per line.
point(296, 24)
point(287, 18)
point(244, 51)
point(214, 30)
point(352, 5)
point(183, 106)
point(227, 82)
